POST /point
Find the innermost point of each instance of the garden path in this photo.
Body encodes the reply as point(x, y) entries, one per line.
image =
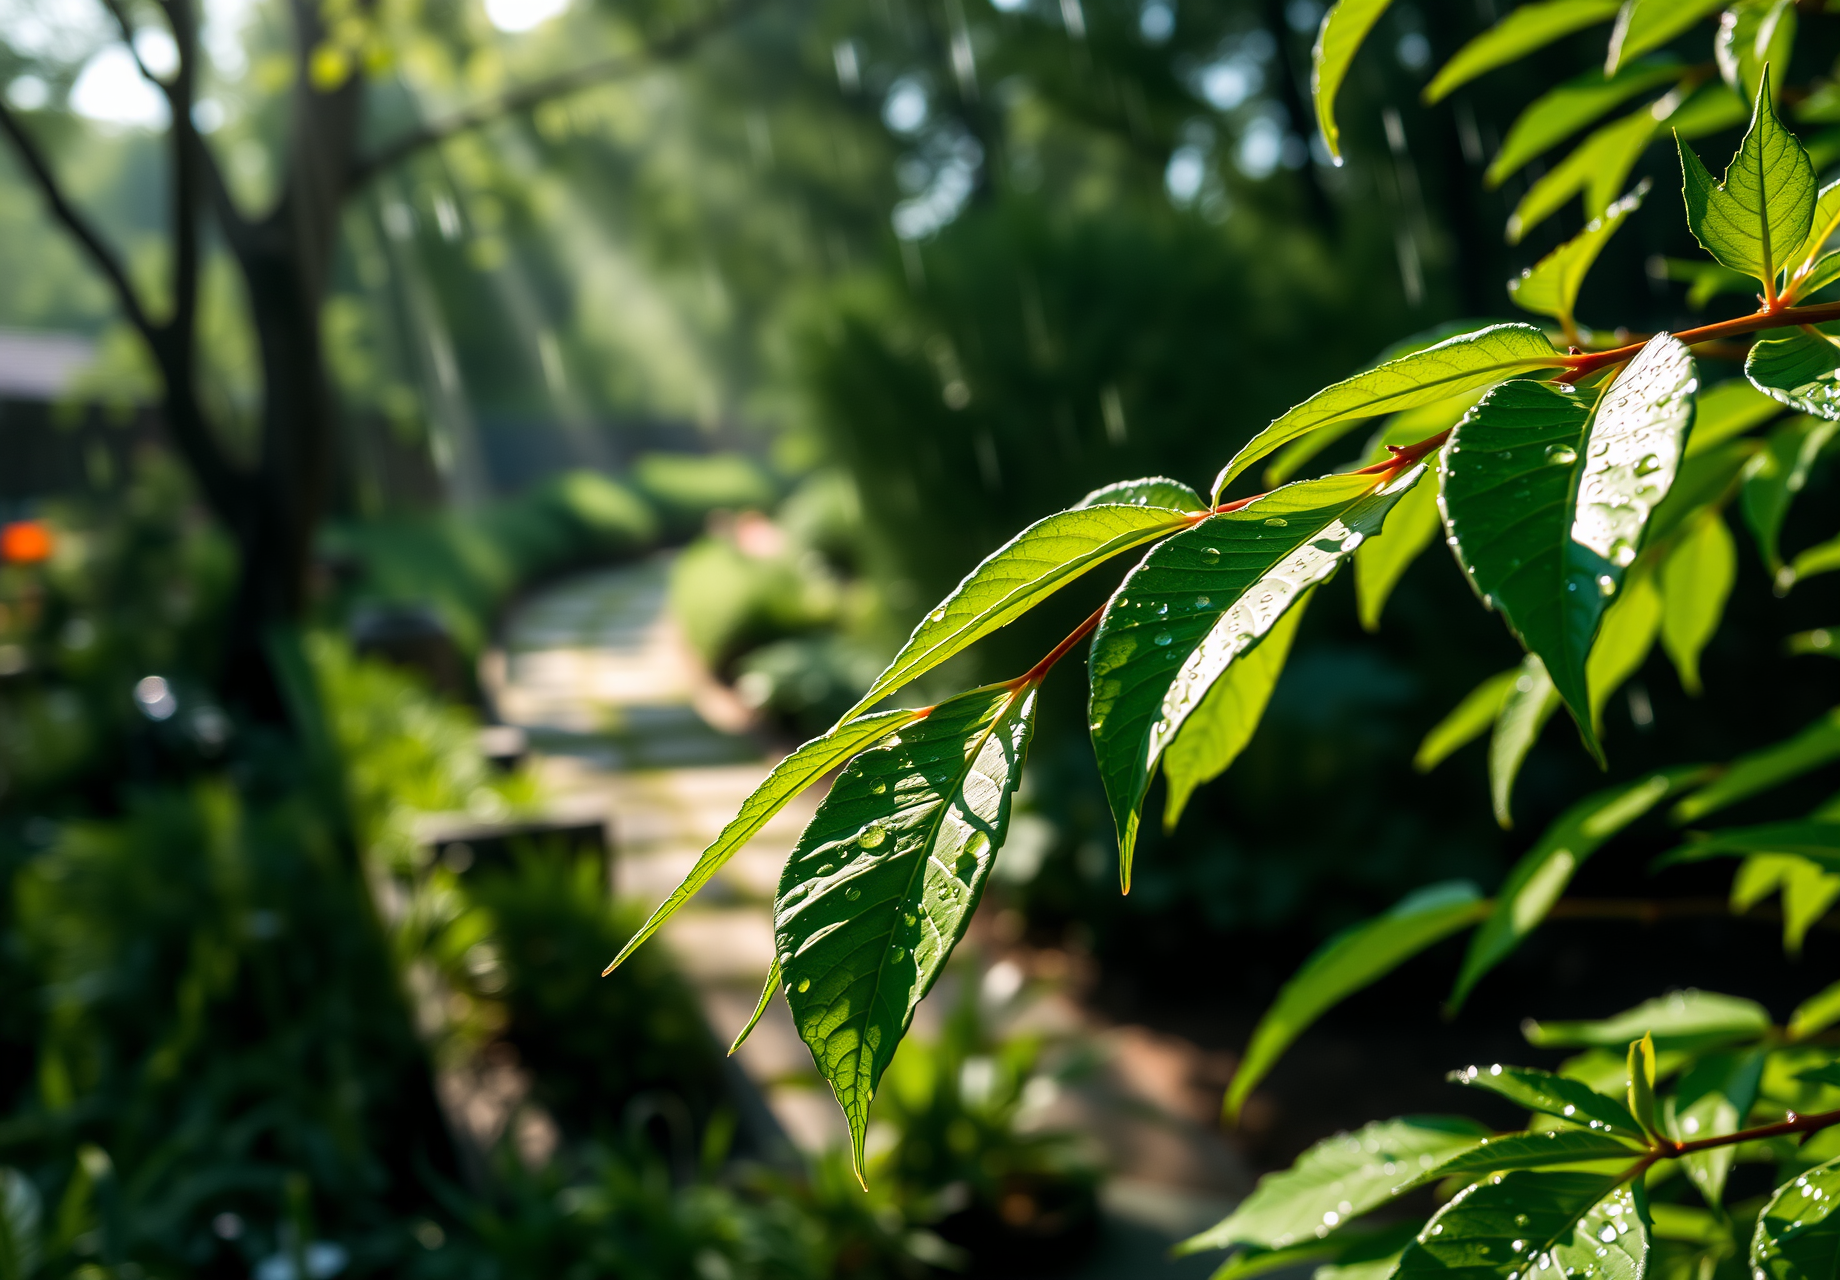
point(624, 721)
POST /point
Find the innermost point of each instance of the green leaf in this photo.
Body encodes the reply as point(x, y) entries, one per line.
point(1354, 958)
point(1610, 1242)
point(1028, 569)
point(1759, 771)
point(1380, 562)
point(1469, 720)
point(1760, 214)
point(1570, 1100)
point(1815, 1014)
point(1152, 491)
point(1704, 280)
point(1547, 502)
point(1598, 167)
point(1529, 27)
point(1219, 729)
point(1689, 1019)
point(1200, 601)
point(1798, 370)
point(1372, 1256)
point(760, 1007)
point(1258, 1262)
point(1434, 373)
point(1823, 557)
point(1706, 479)
point(1798, 1233)
point(1714, 109)
point(1712, 1099)
point(1559, 113)
point(1696, 581)
point(1824, 226)
point(1473, 1237)
point(1525, 709)
point(1821, 273)
point(1550, 287)
point(789, 777)
point(1544, 871)
point(1543, 1149)
point(1754, 43)
point(1338, 1179)
point(1642, 1082)
point(1623, 641)
point(1818, 842)
point(1648, 24)
point(1343, 29)
point(883, 882)
point(1776, 475)
point(1726, 411)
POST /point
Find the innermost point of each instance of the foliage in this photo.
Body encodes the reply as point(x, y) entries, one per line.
point(1566, 480)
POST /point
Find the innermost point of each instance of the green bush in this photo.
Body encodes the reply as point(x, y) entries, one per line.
point(684, 488)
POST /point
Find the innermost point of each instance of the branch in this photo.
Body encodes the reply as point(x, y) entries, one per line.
point(1794, 1124)
point(527, 96)
point(100, 254)
point(1767, 318)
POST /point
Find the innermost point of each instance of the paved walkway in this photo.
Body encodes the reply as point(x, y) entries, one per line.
point(623, 721)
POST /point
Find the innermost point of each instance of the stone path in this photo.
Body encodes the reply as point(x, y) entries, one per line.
point(623, 721)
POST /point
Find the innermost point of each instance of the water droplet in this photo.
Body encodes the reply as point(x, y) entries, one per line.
point(871, 837)
point(977, 843)
point(1202, 602)
point(1162, 610)
point(1622, 554)
point(1521, 1219)
point(825, 869)
point(1161, 638)
point(1276, 522)
point(1353, 540)
point(1607, 1234)
point(1649, 465)
point(938, 615)
point(908, 918)
point(1518, 1245)
point(852, 893)
point(804, 985)
point(785, 958)
point(1559, 455)
point(1210, 555)
point(1606, 585)
point(945, 891)
point(897, 953)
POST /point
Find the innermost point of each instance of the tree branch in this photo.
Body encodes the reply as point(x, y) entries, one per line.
point(678, 44)
point(100, 254)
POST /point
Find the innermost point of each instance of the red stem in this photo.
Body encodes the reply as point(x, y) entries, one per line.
point(1769, 318)
point(1039, 672)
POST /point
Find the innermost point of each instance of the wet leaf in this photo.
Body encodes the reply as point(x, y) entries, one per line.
point(1610, 1242)
point(1338, 1179)
point(1571, 1100)
point(1713, 1098)
point(1757, 218)
point(1754, 43)
point(1437, 372)
point(1798, 1233)
point(1219, 729)
point(789, 777)
point(1343, 29)
point(1648, 24)
point(1152, 491)
point(1798, 370)
point(1543, 1149)
point(884, 881)
point(1474, 1236)
point(1198, 603)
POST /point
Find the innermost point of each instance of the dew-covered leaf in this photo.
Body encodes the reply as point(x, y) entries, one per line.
point(1354, 958)
point(1338, 1179)
point(1550, 287)
point(1571, 1100)
point(1689, 1019)
point(1648, 24)
point(1437, 372)
point(1539, 1149)
point(1760, 214)
point(883, 882)
point(1547, 501)
point(1798, 369)
point(1554, 116)
point(1219, 729)
point(1199, 602)
point(1343, 29)
point(1474, 1236)
point(1526, 28)
point(1544, 871)
point(1696, 581)
point(1611, 1242)
point(1029, 568)
point(1380, 562)
point(1758, 771)
point(1526, 706)
point(788, 778)
point(1467, 721)
point(1798, 1232)
point(1152, 491)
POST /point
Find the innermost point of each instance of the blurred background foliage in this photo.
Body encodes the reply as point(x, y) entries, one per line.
point(832, 297)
